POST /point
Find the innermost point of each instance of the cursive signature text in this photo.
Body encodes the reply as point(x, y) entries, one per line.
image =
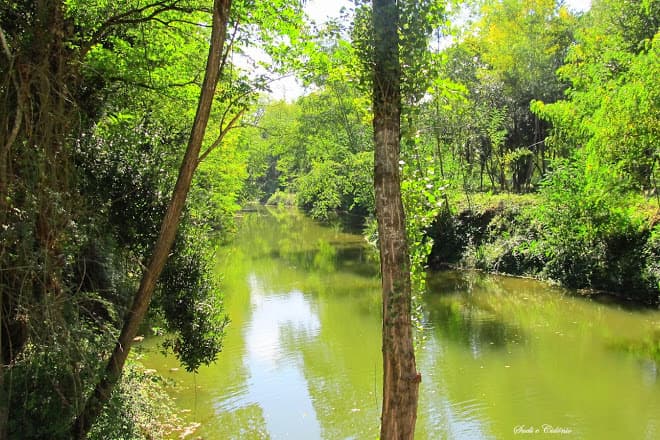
point(543, 429)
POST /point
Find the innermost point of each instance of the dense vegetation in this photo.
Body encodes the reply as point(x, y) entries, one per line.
point(524, 99)
point(529, 146)
point(98, 100)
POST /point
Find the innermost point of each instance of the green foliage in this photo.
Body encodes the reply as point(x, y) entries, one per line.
point(576, 238)
point(607, 129)
point(612, 107)
point(97, 100)
point(320, 191)
point(123, 158)
point(592, 154)
point(191, 303)
point(139, 408)
point(506, 58)
point(97, 103)
point(360, 178)
point(651, 258)
point(590, 237)
point(417, 21)
point(218, 188)
point(318, 148)
point(423, 193)
point(271, 149)
point(331, 186)
point(50, 376)
point(281, 198)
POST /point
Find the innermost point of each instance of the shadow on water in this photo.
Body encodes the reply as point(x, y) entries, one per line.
point(614, 300)
point(454, 311)
point(469, 307)
point(330, 258)
point(346, 222)
point(471, 327)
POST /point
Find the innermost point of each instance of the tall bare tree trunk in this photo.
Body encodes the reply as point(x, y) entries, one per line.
point(400, 376)
point(4, 404)
point(101, 394)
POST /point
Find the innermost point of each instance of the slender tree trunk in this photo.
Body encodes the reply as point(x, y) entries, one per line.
point(142, 298)
point(400, 377)
point(4, 398)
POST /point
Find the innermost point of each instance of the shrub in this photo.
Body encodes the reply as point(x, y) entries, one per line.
point(139, 408)
point(281, 198)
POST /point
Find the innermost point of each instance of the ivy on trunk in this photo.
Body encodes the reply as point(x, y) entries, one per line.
point(400, 376)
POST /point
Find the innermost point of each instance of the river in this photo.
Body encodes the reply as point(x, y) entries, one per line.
point(500, 357)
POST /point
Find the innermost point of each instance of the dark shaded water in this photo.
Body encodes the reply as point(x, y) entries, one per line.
point(500, 358)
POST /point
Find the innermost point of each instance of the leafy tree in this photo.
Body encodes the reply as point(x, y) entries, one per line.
point(271, 149)
point(101, 97)
point(332, 128)
point(608, 126)
point(506, 59)
point(191, 322)
point(136, 313)
point(318, 147)
point(611, 110)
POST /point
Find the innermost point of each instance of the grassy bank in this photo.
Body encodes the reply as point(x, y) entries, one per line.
point(601, 246)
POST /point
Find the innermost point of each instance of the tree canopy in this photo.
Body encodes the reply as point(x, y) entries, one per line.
point(98, 100)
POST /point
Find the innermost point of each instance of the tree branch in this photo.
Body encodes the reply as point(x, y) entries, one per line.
point(109, 378)
point(152, 87)
point(18, 119)
point(16, 128)
point(134, 16)
point(229, 47)
point(5, 46)
point(221, 136)
point(168, 23)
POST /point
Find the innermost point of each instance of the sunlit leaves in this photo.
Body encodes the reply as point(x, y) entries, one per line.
point(612, 110)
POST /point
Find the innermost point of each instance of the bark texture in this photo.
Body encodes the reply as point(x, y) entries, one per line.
point(168, 229)
point(400, 376)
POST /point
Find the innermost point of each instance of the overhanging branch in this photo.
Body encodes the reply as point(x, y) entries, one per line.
point(221, 136)
point(135, 16)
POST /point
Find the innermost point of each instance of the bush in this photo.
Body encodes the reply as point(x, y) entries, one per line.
point(322, 190)
point(592, 235)
point(281, 198)
point(191, 302)
point(51, 379)
point(139, 408)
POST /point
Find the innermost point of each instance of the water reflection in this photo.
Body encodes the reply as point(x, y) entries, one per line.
point(302, 357)
point(509, 352)
point(275, 372)
point(288, 236)
point(463, 322)
point(273, 315)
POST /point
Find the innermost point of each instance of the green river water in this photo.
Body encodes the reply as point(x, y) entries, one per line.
point(501, 358)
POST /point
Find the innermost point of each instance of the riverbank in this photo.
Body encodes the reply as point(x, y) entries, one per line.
point(614, 251)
